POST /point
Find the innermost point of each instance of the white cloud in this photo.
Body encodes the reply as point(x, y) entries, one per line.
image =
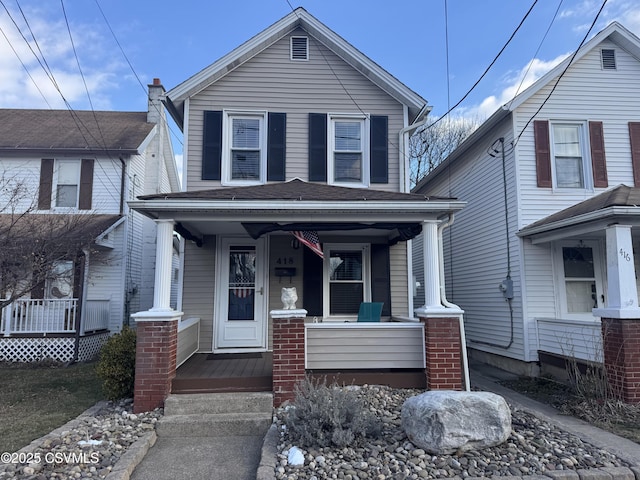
point(18, 90)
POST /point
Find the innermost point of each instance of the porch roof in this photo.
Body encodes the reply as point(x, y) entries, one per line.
point(617, 205)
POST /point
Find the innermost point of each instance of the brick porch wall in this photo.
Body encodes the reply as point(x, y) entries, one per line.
point(288, 357)
point(443, 353)
point(156, 349)
point(621, 348)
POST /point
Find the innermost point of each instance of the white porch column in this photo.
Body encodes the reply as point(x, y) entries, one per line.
point(431, 261)
point(164, 250)
point(622, 295)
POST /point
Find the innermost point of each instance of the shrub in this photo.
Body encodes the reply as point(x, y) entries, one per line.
point(116, 366)
point(324, 415)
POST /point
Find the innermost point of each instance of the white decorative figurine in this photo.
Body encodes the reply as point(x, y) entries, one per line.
point(289, 298)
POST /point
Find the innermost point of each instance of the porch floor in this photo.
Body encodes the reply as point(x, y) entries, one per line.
point(227, 372)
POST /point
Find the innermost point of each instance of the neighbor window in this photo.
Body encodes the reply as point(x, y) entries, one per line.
point(245, 152)
point(347, 278)
point(570, 166)
point(67, 179)
point(347, 162)
point(580, 279)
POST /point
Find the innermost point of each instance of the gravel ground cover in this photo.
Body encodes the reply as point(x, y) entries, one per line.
point(534, 447)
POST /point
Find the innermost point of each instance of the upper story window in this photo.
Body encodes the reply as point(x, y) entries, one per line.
point(66, 180)
point(348, 156)
point(569, 155)
point(244, 156)
point(66, 184)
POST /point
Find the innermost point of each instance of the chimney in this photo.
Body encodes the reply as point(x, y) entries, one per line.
point(156, 92)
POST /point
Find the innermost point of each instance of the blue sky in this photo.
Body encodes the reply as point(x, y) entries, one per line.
point(173, 40)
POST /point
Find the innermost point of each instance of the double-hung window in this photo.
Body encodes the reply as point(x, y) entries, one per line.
point(67, 181)
point(348, 156)
point(571, 168)
point(347, 274)
point(245, 151)
point(580, 279)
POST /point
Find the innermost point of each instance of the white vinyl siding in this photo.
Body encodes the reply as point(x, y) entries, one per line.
point(271, 82)
point(398, 279)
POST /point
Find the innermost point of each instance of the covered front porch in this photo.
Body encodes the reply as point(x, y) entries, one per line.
point(320, 249)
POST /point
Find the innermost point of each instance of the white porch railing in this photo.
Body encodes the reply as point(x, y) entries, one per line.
point(39, 316)
point(95, 316)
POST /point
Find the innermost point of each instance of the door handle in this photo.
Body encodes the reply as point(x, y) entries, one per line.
point(261, 291)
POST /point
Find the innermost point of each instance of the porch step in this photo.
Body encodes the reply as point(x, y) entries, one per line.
point(216, 403)
point(214, 425)
point(216, 414)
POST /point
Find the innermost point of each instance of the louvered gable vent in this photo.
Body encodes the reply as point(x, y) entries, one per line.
point(608, 59)
point(299, 48)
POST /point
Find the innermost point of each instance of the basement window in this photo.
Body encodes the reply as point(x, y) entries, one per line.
point(300, 48)
point(608, 56)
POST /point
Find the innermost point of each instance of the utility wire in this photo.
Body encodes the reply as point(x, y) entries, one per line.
point(555, 85)
point(487, 69)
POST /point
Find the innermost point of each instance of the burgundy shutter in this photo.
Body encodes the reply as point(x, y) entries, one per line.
point(634, 137)
point(46, 184)
point(86, 184)
point(543, 153)
point(598, 159)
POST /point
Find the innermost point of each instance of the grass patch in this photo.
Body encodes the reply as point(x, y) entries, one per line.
point(36, 399)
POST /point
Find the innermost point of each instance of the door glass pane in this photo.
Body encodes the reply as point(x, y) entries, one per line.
point(345, 265)
point(242, 274)
point(581, 297)
point(346, 284)
point(345, 298)
point(578, 262)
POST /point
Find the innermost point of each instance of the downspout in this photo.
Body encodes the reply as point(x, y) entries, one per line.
point(404, 160)
point(443, 299)
point(122, 185)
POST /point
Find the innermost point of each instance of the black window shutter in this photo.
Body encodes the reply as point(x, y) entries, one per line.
point(381, 277)
point(317, 147)
point(312, 283)
point(276, 147)
point(46, 184)
point(379, 149)
point(543, 153)
point(86, 184)
point(212, 146)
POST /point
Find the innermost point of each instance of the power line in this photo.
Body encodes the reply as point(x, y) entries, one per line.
point(584, 39)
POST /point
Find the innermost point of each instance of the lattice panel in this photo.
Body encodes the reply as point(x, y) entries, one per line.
point(36, 349)
point(90, 346)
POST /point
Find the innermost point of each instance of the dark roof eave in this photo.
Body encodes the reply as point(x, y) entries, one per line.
point(73, 151)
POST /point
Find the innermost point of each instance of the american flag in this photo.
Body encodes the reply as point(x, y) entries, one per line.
point(310, 239)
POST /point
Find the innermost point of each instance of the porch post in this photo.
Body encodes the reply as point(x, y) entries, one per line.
point(621, 316)
point(288, 352)
point(443, 330)
point(157, 332)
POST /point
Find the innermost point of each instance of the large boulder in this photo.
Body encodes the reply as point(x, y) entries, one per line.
point(444, 422)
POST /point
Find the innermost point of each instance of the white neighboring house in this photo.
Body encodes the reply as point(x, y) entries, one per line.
point(545, 178)
point(84, 163)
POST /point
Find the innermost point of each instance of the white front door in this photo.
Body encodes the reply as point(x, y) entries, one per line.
point(241, 307)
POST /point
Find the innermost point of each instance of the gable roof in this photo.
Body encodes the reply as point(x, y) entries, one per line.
point(299, 18)
point(614, 32)
point(63, 131)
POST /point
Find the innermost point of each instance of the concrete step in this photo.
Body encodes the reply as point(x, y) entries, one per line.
point(218, 403)
point(214, 425)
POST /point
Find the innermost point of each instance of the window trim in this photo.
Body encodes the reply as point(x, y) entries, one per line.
point(365, 248)
point(583, 136)
point(332, 119)
point(227, 142)
point(560, 289)
point(54, 183)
